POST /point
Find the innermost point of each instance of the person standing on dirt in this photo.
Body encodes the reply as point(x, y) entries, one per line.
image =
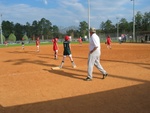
point(55, 47)
point(108, 42)
point(80, 41)
point(38, 44)
point(67, 52)
point(22, 43)
point(94, 55)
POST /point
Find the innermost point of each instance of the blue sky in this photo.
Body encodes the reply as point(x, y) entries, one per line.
point(65, 13)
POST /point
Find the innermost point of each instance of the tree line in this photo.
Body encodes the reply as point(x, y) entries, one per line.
point(45, 30)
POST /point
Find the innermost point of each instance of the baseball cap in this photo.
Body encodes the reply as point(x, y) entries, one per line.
point(93, 30)
point(66, 38)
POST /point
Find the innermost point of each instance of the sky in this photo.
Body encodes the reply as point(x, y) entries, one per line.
point(65, 13)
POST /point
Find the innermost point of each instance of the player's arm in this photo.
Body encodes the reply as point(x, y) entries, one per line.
point(70, 46)
point(93, 50)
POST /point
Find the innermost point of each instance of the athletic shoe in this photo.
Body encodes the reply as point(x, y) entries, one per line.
point(60, 66)
point(55, 58)
point(105, 75)
point(88, 79)
point(73, 65)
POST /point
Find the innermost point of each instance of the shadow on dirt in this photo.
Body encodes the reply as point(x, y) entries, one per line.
point(125, 62)
point(134, 99)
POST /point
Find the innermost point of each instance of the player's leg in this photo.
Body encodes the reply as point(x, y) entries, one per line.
point(80, 43)
point(63, 60)
point(99, 67)
point(70, 57)
point(22, 46)
point(56, 54)
point(107, 45)
point(110, 45)
point(38, 48)
point(91, 60)
point(72, 62)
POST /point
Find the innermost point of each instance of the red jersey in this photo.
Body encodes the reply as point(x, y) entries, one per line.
point(108, 40)
point(55, 45)
point(80, 40)
point(37, 42)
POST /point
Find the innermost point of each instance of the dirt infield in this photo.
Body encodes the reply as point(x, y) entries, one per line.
point(28, 85)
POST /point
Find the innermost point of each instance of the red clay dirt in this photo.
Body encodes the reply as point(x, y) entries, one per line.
point(28, 85)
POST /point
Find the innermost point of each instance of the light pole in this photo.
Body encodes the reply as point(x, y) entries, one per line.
point(133, 21)
point(1, 30)
point(117, 28)
point(89, 17)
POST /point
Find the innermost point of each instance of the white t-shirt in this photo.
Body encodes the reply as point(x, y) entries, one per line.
point(119, 38)
point(94, 42)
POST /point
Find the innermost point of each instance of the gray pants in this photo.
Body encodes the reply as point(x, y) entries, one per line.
point(94, 60)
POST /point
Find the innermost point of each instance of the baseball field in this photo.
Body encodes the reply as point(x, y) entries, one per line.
point(29, 85)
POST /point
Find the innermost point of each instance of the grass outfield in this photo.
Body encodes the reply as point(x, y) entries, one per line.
point(33, 44)
point(43, 43)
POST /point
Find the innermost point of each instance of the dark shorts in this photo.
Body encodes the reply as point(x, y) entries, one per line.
point(67, 53)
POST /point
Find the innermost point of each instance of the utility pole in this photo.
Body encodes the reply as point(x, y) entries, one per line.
point(117, 28)
point(1, 30)
point(133, 20)
point(89, 17)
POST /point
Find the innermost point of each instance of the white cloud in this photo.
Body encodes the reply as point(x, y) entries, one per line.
point(45, 2)
point(70, 12)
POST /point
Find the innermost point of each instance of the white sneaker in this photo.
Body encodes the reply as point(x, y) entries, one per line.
point(74, 66)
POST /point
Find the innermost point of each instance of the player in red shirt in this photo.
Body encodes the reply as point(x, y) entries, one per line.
point(55, 47)
point(38, 44)
point(80, 41)
point(5, 43)
point(108, 42)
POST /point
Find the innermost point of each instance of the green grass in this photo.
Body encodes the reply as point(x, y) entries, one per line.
point(33, 44)
point(44, 43)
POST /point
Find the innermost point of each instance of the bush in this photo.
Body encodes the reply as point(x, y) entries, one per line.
point(12, 37)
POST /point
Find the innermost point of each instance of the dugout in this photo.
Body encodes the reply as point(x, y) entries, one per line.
point(144, 36)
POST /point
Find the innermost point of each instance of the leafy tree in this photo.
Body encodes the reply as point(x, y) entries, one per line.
point(27, 30)
point(56, 32)
point(138, 21)
point(35, 28)
point(12, 37)
point(25, 37)
point(102, 26)
point(45, 26)
point(83, 27)
point(18, 30)
point(3, 38)
point(71, 33)
point(107, 26)
point(71, 30)
point(8, 28)
point(146, 22)
point(123, 26)
point(130, 26)
point(77, 34)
